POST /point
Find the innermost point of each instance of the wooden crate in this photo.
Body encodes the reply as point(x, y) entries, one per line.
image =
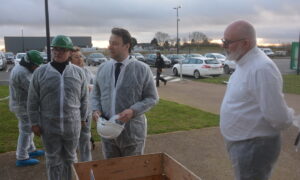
point(159, 166)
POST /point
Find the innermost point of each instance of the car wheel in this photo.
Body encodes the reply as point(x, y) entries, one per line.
point(175, 72)
point(197, 74)
point(226, 69)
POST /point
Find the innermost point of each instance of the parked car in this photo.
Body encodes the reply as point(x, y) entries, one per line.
point(280, 53)
point(45, 57)
point(217, 56)
point(175, 58)
point(229, 66)
point(95, 59)
point(193, 55)
point(138, 56)
point(3, 62)
point(268, 51)
point(9, 57)
point(199, 66)
point(151, 58)
point(19, 57)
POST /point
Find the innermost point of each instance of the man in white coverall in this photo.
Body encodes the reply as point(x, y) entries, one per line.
point(57, 104)
point(124, 86)
point(18, 89)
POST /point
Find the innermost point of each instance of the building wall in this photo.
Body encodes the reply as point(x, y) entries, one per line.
point(22, 44)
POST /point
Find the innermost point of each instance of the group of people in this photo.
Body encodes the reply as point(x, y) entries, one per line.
point(58, 99)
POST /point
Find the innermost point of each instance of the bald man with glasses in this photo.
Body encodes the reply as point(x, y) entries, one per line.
point(253, 112)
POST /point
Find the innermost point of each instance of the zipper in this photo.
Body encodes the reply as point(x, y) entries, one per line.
point(61, 102)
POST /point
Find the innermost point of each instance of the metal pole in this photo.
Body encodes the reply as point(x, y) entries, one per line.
point(47, 31)
point(177, 32)
point(22, 40)
point(177, 39)
point(298, 64)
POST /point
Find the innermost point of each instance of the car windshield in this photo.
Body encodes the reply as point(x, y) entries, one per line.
point(97, 55)
point(179, 57)
point(137, 54)
point(212, 61)
point(19, 56)
point(9, 54)
point(196, 55)
point(220, 56)
point(43, 54)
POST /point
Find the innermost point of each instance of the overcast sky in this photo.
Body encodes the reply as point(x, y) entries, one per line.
point(276, 21)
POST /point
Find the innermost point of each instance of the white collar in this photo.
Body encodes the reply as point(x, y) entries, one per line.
point(124, 62)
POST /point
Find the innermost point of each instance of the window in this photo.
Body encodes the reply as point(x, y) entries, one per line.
point(199, 61)
point(193, 61)
point(211, 61)
point(186, 61)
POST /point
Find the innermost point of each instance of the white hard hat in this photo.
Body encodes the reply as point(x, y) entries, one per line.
point(109, 129)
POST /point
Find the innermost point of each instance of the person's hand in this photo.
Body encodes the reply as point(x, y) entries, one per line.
point(126, 115)
point(36, 129)
point(96, 115)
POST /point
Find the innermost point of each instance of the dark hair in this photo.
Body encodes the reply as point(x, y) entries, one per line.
point(124, 34)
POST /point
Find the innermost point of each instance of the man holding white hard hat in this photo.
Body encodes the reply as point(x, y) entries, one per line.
point(124, 87)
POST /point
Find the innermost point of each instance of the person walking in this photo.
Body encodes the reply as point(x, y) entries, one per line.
point(20, 78)
point(123, 86)
point(57, 105)
point(160, 64)
point(253, 111)
point(84, 145)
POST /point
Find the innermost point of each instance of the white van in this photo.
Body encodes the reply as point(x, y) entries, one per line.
point(268, 51)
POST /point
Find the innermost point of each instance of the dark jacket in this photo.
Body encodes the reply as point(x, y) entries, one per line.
point(159, 63)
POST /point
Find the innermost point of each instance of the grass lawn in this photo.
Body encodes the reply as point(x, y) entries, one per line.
point(291, 82)
point(165, 117)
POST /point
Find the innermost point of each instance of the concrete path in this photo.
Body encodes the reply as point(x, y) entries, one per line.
point(202, 151)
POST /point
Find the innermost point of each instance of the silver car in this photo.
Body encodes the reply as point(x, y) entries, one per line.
point(95, 59)
point(3, 62)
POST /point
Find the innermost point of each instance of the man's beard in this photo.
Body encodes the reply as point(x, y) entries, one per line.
point(236, 55)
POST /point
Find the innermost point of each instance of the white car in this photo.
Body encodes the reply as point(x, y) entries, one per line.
point(199, 66)
point(217, 56)
point(19, 57)
point(229, 66)
point(268, 51)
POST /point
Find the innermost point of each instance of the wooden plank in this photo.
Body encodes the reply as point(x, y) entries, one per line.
point(121, 168)
point(155, 177)
point(176, 171)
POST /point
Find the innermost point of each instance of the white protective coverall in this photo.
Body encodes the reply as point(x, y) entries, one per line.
point(58, 103)
point(135, 89)
point(18, 90)
point(85, 133)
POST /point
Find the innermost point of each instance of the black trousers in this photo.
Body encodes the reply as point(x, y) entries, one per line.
point(158, 72)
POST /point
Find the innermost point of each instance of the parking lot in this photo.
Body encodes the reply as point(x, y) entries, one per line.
point(282, 63)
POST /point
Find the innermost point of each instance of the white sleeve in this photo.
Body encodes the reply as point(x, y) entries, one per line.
point(267, 85)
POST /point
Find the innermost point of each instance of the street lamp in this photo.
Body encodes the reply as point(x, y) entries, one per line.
point(177, 20)
point(177, 40)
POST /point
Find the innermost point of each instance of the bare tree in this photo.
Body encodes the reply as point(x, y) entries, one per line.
point(199, 37)
point(162, 37)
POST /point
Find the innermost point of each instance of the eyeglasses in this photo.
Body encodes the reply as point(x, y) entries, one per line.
point(60, 49)
point(228, 42)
